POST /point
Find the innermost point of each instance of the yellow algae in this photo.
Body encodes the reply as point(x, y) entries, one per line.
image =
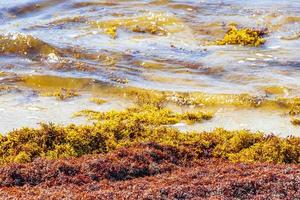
point(159, 2)
point(103, 59)
point(54, 83)
point(140, 125)
point(5, 88)
point(86, 4)
point(272, 149)
point(292, 104)
point(275, 90)
point(243, 100)
point(68, 20)
point(22, 157)
point(63, 21)
point(98, 101)
point(24, 45)
point(119, 80)
point(2, 74)
point(151, 64)
point(235, 142)
point(62, 94)
point(292, 19)
point(153, 29)
point(235, 100)
point(153, 23)
point(243, 36)
point(193, 117)
point(147, 113)
point(183, 6)
point(109, 60)
point(153, 97)
point(106, 58)
point(150, 97)
point(295, 121)
point(149, 121)
point(111, 31)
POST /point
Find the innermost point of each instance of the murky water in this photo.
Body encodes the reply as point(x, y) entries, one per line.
point(158, 45)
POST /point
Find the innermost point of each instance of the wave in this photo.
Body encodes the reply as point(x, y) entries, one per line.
point(22, 44)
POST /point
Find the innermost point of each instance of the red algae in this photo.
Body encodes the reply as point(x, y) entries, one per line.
point(148, 171)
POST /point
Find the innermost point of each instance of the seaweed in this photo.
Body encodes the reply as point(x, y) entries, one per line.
point(62, 94)
point(98, 101)
point(243, 36)
point(295, 121)
point(114, 129)
point(148, 171)
point(292, 104)
point(111, 31)
point(152, 23)
point(25, 45)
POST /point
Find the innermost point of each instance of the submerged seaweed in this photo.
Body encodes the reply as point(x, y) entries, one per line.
point(62, 94)
point(152, 23)
point(25, 45)
point(98, 101)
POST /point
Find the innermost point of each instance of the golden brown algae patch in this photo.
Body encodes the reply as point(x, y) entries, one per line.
point(148, 113)
point(295, 121)
point(114, 130)
point(24, 45)
point(243, 36)
point(98, 101)
point(62, 94)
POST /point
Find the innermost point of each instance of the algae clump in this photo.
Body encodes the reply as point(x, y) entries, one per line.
point(62, 94)
point(243, 36)
point(295, 121)
point(293, 104)
point(52, 141)
point(111, 31)
point(275, 90)
point(98, 101)
point(148, 115)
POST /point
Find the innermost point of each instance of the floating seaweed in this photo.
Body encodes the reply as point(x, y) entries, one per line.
point(295, 121)
point(98, 101)
point(243, 36)
point(25, 45)
point(62, 94)
point(152, 23)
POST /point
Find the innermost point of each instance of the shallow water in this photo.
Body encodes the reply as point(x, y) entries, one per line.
point(73, 39)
